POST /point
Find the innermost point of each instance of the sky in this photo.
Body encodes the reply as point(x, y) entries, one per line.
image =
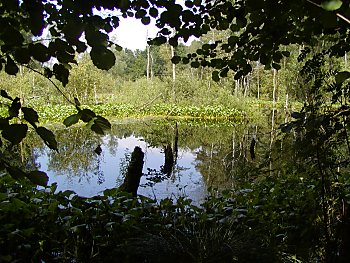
point(132, 34)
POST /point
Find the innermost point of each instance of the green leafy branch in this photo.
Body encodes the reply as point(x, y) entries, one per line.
point(16, 132)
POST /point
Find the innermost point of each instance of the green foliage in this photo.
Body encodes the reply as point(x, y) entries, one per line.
point(68, 227)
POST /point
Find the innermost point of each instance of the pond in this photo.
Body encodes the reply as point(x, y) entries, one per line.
point(203, 154)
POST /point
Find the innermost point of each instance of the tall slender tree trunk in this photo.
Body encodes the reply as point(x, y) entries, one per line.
point(273, 115)
point(148, 59)
point(152, 73)
point(274, 98)
point(258, 78)
point(246, 85)
point(286, 110)
point(95, 93)
point(173, 73)
point(346, 59)
point(210, 163)
point(148, 63)
point(237, 83)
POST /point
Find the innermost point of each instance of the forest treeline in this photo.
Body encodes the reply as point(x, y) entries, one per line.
point(146, 77)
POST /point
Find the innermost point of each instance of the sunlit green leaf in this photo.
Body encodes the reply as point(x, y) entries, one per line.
point(331, 5)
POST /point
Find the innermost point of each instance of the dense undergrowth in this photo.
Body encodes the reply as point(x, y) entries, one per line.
point(246, 225)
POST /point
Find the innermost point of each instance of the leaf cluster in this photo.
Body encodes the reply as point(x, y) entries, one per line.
point(14, 133)
point(256, 32)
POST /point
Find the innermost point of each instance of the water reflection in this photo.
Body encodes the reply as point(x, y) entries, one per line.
point(180, 158)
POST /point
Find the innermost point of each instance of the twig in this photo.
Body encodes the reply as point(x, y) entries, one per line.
point(53, 83)
point(146, 104)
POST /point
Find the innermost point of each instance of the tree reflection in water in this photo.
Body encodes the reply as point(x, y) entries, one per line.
point(181, 157)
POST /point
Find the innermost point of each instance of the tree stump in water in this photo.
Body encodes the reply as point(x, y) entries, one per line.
point(169, 160)
point(132, 178)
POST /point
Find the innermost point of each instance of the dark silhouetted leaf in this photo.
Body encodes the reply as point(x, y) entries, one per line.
point(102, 57)
point(276, 66)
point(61, 73)
point(16, 173)
point(286, 128)
point(72, 119)
point(15, 133)
point(87, 115)
point(118, 48)
point(12, 37)
point(4, 94)
point(14, 108)
point(195, 64)
point(22, 55)
point(96, 128)
point(173, 42)
point(153, 12)
point(185, 60)
point(340, 77)
point(10, 66)
point(48, 137)
point(145, 20)
point(96, 38)
point(285, 53)
point(38, 178)
point(30, 115)
point(175, 59)
point(215, 76)
point(98, 150)
point(4, 122)
point(39, 52)
point(48, 73)
point(298, 115)
point(103, 123)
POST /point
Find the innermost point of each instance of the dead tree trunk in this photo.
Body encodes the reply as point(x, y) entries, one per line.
point(169, 160)
point(132, 178)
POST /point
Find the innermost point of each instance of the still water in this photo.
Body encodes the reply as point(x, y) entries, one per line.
point(204, 154)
